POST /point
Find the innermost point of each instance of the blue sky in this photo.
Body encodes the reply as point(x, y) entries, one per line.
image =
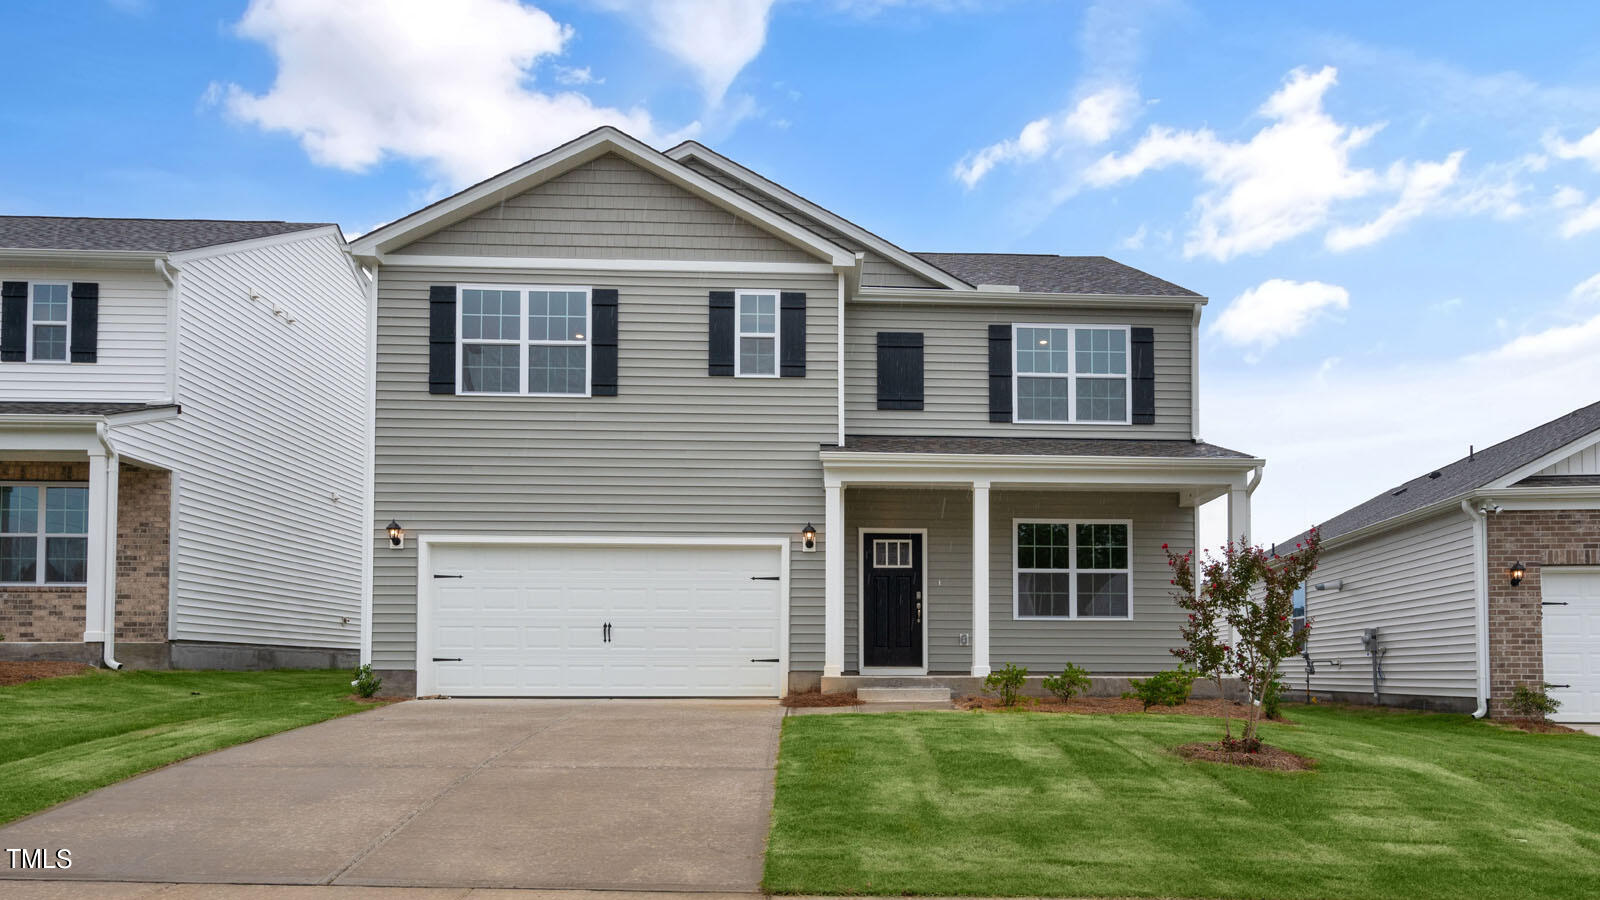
point(1392, 207)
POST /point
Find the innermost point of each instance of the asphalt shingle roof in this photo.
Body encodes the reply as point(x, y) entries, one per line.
point(149, 235)
point(1465, 475)
point(48, 408)
point(870, 443)
point(1048, 273)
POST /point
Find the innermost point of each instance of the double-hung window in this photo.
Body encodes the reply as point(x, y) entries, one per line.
point(1072, 570)
point(48, 311)
point(1071, 374)
point(44, 534)
point(530, 341)
point(758, 334)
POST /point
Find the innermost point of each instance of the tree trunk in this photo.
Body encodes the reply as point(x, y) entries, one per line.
point(1227, 712)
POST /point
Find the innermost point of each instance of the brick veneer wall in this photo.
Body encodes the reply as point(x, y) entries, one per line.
point(144, 507)
point(1537, 538)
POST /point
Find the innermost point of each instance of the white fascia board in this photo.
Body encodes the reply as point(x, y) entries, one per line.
point(1024, 298)
point(271, 240)
point(1555, 496)
point(94, 258)
point(423, 261)
point(1213, 476)
point(569, 156)
point(1547, 460)
point(695, 150)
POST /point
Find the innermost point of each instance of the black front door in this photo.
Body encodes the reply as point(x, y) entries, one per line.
point(892, 611)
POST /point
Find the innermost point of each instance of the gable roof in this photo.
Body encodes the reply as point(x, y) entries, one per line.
point(1491, 467)
point(782, 195)
point(1051, 274)
point(569, 156)
point(135, 235)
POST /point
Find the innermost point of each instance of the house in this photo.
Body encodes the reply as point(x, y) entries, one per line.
point(652, 424)
point(1455, 588)
point(184, 423)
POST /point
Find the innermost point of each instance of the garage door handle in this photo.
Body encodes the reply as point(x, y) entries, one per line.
point(437, 575)
point(1558, 685)
point(1554, 603)
point(447, 659)
point(765, 577)
point(774, 659)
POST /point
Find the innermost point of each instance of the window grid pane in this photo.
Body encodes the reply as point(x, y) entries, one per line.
point(557, 315)
point(50, 342)
point(1102, 595)
point(1102, 399)
point(66, 559)
point(66, 510)
point(50, 303)
point(1055, 559)
point(491, 368)
point(1042, 399)
point(1102, 546)
point(19, 559)
point(758, 356)
point(557, 369)
point(758, 314)
point(491, 315)
point(1044, 594)
point(19, 509)
point(1101, 351)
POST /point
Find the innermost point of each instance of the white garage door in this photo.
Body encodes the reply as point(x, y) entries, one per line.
point(1572, 641)
point(604, 621)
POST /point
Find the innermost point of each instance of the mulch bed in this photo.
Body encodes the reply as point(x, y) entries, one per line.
point(1538, 726)
point(1108, 706)
point(1276, 759)
point(817, 698)
point(19, 671)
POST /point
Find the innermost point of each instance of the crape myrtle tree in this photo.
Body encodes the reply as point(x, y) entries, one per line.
point(1241, 618)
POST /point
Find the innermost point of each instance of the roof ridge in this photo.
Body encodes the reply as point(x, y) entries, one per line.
point(161, 219)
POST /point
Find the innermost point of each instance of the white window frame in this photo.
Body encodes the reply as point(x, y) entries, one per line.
point(522, 340)
point(67, 323)
point(1072, 374)
point(739, 334)
point(1072, 555)
point(41, 534)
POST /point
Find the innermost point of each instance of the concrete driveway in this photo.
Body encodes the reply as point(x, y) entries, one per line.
point(553, 794)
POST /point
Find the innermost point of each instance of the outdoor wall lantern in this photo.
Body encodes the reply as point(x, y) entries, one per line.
point(397, 535)
point(1517, 571)
point(808, 538)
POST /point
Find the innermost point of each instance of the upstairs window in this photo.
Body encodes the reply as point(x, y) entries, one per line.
point(757, 354)
point(48, 312)
point(1071, 374)
point(529, 341)
point(44, 534)
point(1072, 570)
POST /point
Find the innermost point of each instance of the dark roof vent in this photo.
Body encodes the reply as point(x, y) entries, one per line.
point(1432, 475)
point(1399, 492)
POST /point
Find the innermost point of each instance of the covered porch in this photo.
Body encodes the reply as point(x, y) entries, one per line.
point(952, 556)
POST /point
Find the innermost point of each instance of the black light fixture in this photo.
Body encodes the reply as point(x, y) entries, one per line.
point(808, 538)
point(1518, 570)
point(397, 535)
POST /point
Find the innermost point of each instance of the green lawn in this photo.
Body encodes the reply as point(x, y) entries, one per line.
point(61, 737)
point(1402, 805)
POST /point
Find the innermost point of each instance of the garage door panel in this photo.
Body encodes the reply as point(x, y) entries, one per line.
point(1571, 633)
point(528, 620)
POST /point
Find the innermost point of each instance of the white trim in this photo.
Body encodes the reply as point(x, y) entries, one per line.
point(1194, 374)
point(427, 677)
point(838, 366)
point(861, 604)
point(28, 327)
point(870, 294)
point(1072, 375)
point(1545, 461)
point(833, 580)
point(369, 499)
point(982, 553)
point(525, 342)
point(1072, 584)
point(1480, 606)
point(571, 155)
point(906, 260)
point(739, 334)
point(271, 240)
point(40, 535)
point(553, 263)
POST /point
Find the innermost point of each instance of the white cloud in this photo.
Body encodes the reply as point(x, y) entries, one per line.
point(1566, 196)
point(1094, 119)
point(1450, 304)
point(1136, 240)
point(446, 85)
point(1581, 220)
point(715, 39)
point(1585, 292)
point(1421, 185)
point(1586, 148)
point(573, 75)
point(1276, 309)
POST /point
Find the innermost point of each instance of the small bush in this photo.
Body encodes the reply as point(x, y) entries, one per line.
point(366, 683)
point(1072, 681)
point(1532, 703)
point(1006, 682)
point(1271, 697)
point(1170, 688)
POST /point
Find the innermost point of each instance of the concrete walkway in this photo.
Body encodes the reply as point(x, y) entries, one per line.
point(654, 795)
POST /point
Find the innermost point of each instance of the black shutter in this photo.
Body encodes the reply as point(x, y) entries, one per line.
point(899, 370)
point(603, 338)
point(14, 321)
point(999, 373)
point(719, 334)
point(442, 339)
point(792, 323)
point(1142, 342)
point(85, 331)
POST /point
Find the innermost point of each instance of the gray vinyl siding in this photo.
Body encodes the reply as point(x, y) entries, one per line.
point(876, 271)
point(677, 452)
point(608, 209)
point(1142, 644)
point(956, 363)
point(1416, 584)
point(947, 593)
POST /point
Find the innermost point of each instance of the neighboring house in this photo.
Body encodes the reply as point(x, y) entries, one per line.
point(184, 424)
point(1433, 565)
point(651, 424)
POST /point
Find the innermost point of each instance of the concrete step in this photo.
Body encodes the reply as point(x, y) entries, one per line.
point(903, 694)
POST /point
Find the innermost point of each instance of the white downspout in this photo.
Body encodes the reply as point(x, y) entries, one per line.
point(1480, 572)
point(839, 363)
point(109, 620)
point(369, 501)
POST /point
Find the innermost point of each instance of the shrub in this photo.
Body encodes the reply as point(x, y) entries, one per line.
point(1006, 682)
point(1532, 703)
point(1271, 697)
point(1169, 688)
point(1072, 681)
point(366, 683)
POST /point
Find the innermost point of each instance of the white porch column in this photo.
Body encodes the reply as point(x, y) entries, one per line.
point(1239, 514)
point(833, 548)
point(95, 577)
point(980, 578)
